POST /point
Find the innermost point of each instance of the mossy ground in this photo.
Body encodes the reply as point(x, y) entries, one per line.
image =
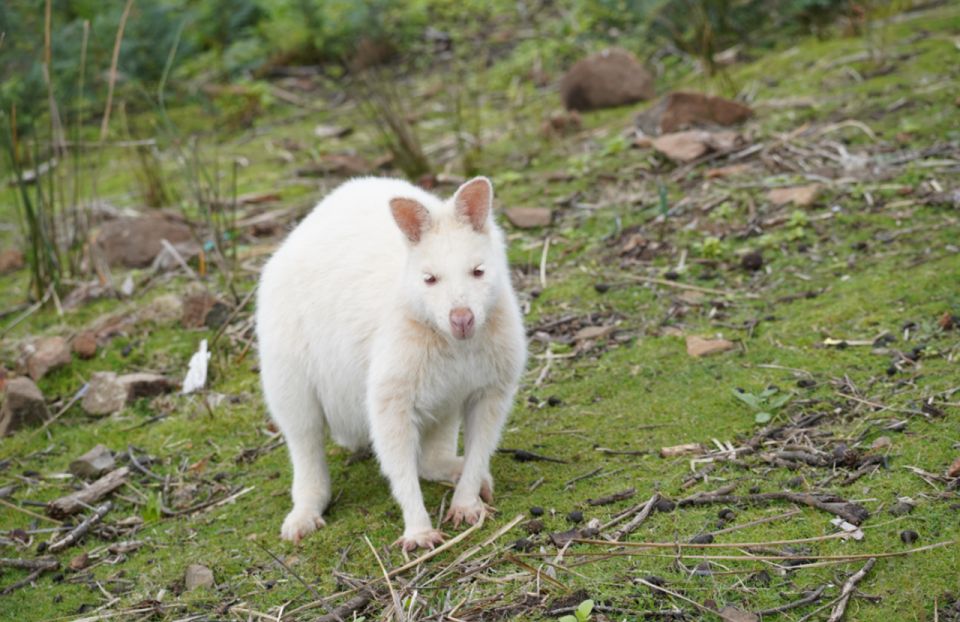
point(639, 393)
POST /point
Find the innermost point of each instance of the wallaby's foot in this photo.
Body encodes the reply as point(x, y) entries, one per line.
point(300, 523)
point(469, 512)
point(454, 466)
point(423, 539)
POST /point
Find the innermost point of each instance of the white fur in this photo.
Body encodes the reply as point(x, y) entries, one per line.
point(352, 339)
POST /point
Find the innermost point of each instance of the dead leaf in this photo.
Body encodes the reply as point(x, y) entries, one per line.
point(683, 146)
point(801, 196)
point(698, 346)
point(680, 450)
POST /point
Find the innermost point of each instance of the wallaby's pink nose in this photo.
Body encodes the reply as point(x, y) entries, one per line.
point(461, 322)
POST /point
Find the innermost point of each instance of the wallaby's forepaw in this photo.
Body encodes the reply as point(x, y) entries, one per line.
point(423, 539)
point(469, 513)
point(301, 523)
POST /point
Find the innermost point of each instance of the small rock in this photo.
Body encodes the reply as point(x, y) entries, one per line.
point(109, 393)
point(201, 308)
point(954, 470)
point(197, 576)
point(806, 383)
point(105, 394)
point(665, 505)
point(610, 78)
point(79, 562)
point(523, 545)
point(752, 261)
point(47, 354)
point(94, 463)
point(601, 288)
point(529, 217)
point(901, 508)
point(162, 310)
point(554, 401)
point(801, 196)
point(908, 536)
point(881, 442)
point(684, 110)
point(10, 259)
point(699, 347)
point(85, 344)
point(683, 146)
point(136, 242)
point(575, 516)
point(536, 511)
point(23, 405)
point(703, 538)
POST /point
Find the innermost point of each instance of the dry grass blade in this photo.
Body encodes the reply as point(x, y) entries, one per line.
point(397, 605)
point(104, 126)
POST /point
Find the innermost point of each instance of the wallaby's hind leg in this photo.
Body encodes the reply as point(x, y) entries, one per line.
point(438, 451)
point(297, 412)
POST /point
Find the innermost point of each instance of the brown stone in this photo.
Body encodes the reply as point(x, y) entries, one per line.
point(529, 217)
point(136, 242)
point(85, 344)
point(201, 308)
point(801, 196)
point(698, 346)
point(954, 470)
point(23, 406)
point(686, 110)
point(108, 393)
point(607, 79)
point(47, 354)
point(10, 259)
point(727, 171)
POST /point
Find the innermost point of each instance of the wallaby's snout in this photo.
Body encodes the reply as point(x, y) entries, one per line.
point(462, 322)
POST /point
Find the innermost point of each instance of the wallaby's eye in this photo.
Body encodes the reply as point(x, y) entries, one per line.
point(429, 279)
point(478, 271)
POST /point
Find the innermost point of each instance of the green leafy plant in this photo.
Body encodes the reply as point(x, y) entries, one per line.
point(712, 248)
point(581, 614)
point(764, 404)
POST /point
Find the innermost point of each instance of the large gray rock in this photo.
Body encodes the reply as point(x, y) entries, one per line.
point(23, 406)
point(607, 79)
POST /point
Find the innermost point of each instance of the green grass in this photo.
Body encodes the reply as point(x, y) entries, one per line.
point(639, 394)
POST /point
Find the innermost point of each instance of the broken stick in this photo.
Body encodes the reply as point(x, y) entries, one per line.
point(82, 499)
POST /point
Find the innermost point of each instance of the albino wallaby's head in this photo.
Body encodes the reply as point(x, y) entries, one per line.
point(457, 261)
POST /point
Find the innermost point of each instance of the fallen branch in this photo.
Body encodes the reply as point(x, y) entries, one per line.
point(619, 496)
point(850, 512)
point(82, 499)
point(641, 516)
point(80, 530)
point(811, 597)
point(41, 563)
point(841, 607)
point(347, 609)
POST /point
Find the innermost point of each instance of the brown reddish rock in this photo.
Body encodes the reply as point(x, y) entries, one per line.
point(685, 110)
point(23, 406)
point(85, 344)
point(136, 242)
point(45, 355)
point(10, 259)
point(607, 79)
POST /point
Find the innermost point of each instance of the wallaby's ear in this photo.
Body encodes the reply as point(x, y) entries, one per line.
point(411, 216)
point(473, 202)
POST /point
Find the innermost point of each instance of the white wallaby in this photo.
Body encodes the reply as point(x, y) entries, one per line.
point(387, 317)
